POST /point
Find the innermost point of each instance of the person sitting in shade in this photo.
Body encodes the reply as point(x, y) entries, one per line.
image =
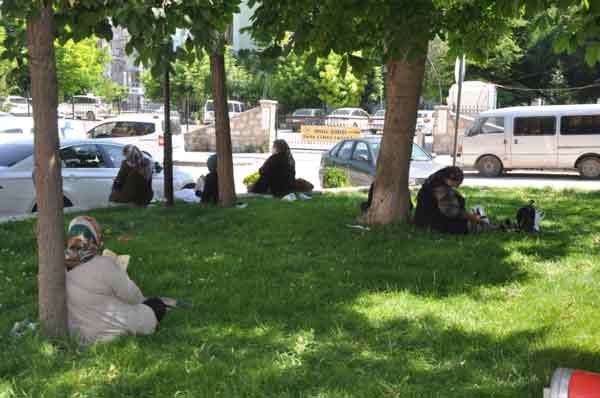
point(133, 183)
point(209, 191)
point(102, 302)
point(278, 173)
point(441, 207)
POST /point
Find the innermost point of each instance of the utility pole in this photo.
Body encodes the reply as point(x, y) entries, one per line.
point(460, 76)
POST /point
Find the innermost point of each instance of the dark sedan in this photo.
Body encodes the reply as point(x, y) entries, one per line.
point(358, 157)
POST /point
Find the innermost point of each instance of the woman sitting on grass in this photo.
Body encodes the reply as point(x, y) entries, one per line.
point(278, 173)
point(134, 181)
point(210, 190)
point(103, 303)
point(441, 207)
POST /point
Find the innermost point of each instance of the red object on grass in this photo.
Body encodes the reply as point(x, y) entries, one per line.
point(569, 383)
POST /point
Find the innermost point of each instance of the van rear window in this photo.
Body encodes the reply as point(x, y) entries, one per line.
point(580, 125)
point(535, 126)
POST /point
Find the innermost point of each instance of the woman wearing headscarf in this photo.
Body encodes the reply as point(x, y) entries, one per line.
point(441, 207)
point(210, 191)
point(134, 181)
point(278, 173)
point(103, 303)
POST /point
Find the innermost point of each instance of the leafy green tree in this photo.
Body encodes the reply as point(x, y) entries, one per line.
point(5, 67)
point(80, 66)
point(336, 89)
point(398, 32)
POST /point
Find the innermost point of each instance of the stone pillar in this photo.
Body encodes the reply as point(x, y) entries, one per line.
point(441, 135)
point(268, 121)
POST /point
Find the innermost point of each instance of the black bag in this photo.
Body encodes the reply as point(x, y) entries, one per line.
point(528, 218)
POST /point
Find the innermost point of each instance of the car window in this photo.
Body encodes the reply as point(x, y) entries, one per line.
point(419, 154)
point(334, 151)
point(535, 126)
point(84, 156)
point(361, 152)
point(580, 125)
point(11, 154)
point(103, 131)
point(209, 106)
point(115, 154)
point(12, 131)
point(302, 112)
point(380, 113)
point(341, 112)
point(345, 152)
point(487, 125)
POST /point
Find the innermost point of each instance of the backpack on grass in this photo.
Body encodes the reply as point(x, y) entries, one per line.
point(529, 218)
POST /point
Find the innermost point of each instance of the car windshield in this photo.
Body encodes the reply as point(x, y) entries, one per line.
point(302, 112)
point(380, 113)
point(417, 153)
point(18, 100)
point(342, 112)
point(11, 154)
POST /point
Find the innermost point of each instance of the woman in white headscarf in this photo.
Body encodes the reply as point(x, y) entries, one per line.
point(102, 302)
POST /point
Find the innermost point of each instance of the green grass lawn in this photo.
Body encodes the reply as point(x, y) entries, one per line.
point(289, 302)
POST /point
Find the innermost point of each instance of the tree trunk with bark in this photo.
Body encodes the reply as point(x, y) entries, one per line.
point(222, 129)
point(47, 174)
point(390, 195)
point(168, 142)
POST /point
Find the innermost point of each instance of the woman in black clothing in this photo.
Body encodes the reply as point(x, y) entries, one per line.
point(133, 184)
point(278, 173)
point(441, 207)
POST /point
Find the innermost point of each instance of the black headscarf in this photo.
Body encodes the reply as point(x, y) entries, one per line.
point(283, 148)
point(439, 177)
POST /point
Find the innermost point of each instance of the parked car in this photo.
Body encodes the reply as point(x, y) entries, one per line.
point(12, 128)
point(304, 116)
point(88, 170)
point(17, 105)
point(358, 158)
point(348, 117)
point(425, 121)
point(377, 121)
point(87, 107)
point(143, 130)
point(235, 108)
point(540, 137)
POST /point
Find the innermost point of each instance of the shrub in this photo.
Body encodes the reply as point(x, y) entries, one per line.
point(251, 179)
point(335, 178)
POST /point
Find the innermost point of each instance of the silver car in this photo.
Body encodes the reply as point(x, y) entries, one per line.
point(358, 157)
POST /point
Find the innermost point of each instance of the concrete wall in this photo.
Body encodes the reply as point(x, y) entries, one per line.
point(251, 131)
point(444, 129)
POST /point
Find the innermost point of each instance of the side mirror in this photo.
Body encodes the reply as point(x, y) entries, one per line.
point(363, 158)
point(157, 168)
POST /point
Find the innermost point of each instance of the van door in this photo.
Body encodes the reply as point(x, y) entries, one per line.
point(486, 137)
point(533, 142)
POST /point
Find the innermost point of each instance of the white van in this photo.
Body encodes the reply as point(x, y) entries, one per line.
point(543, 137)
point(235, 108)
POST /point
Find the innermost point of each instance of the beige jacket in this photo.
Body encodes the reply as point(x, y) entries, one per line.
point(103, 303)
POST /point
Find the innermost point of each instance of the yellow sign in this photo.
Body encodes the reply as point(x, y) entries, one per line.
point(328, 133)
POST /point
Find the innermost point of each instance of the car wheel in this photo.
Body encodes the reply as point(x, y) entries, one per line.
point(489, 166)
point(90, 116)
point(589, 168)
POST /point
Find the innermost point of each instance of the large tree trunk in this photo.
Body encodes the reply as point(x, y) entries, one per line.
point(390, 195)
point(168, 142)
point(48, 179)
point(222, 129)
